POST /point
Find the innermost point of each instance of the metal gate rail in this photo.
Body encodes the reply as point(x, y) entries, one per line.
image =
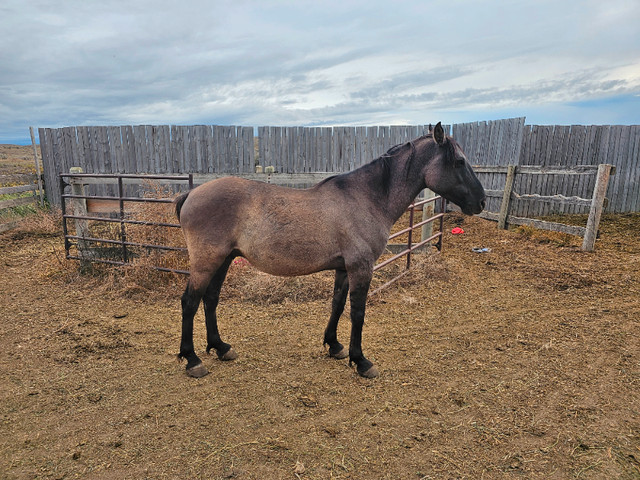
point(76, 179)
point(411, 246)
point(81, 215)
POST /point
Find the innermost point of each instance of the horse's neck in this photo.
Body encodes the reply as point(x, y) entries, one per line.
point(404, 182)
point(407, 182)
point(404, 194)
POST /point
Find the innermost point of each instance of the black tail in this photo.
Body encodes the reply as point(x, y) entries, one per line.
point(179, 201)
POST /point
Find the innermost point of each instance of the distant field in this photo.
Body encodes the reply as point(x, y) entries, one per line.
point(15, 159)
point(16, 168)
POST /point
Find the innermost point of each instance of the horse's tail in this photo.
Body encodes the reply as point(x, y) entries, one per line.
point(179, 201)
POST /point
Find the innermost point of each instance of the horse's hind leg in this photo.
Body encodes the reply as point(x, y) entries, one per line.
point(211, 298)
point(196, 288)
point(190, 303)
point(340, 290)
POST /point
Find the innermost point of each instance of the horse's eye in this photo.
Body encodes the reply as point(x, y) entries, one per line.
point(458, 163)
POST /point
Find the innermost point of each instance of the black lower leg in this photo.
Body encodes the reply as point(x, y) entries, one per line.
point(340, 290)
point(358, 302)
point(190, 303)
point(211, 298)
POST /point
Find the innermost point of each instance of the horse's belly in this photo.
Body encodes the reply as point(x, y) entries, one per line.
point(288, 259)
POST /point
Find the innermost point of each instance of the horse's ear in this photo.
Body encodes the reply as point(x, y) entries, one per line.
point(438, 134)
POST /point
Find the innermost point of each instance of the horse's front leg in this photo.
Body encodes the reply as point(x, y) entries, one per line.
point(340, 290)
point(359, 288)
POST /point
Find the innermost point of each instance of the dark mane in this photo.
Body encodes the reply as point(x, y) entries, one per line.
point(384, 163)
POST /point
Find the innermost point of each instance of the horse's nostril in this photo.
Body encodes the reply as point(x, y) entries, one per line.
point(483, 203)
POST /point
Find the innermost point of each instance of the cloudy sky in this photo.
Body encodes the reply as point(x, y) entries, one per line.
point(346, 62)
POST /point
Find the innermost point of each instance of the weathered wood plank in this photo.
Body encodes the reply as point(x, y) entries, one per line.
point(117, 155)
point(129, 149)
point(599, 192)
point(556, 199)
point(263, 146)
point(15, 202)
point(18, 189)
point(140, 146)
point(51, 183)
point(632, 201)
point(540, 224)
point(619, 158)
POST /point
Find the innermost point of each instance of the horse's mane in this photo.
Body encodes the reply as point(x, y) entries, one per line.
point(384, 162)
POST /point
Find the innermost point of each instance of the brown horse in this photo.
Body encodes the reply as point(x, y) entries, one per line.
point(286, 231)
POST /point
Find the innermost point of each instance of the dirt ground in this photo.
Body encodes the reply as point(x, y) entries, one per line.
point(523, 362)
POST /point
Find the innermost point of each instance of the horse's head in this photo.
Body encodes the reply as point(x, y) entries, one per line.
point(449, 174)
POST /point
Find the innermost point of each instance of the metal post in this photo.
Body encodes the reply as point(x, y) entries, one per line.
point(63, 206)
point(443, 209)
point(123, 231)
point(410, 236)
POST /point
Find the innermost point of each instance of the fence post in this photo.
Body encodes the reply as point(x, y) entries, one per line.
point(35, 158)
point(506, 197)
point(605, 170)
point(410, 236)
point(428, 211)
point(79, 207)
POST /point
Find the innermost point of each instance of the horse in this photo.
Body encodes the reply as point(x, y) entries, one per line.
point(341, 224)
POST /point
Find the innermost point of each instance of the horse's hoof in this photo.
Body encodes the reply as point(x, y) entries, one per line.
point(197, 371)
point(372, 372)
point(230, 355)
point(344, 353)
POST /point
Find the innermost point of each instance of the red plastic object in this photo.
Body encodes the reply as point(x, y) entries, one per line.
point(457, 231)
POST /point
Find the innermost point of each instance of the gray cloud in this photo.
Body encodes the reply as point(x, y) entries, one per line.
point(310, 63)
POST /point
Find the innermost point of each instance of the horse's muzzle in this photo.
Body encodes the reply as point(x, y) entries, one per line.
point(475, 208)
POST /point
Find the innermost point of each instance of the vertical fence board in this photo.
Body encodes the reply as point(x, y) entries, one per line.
point(128, 148)
point(632, 200)
point(560, 183)
point(618, 157)
point(263, 145)
point(103, 142)
point(117, 155)
point(48, 166)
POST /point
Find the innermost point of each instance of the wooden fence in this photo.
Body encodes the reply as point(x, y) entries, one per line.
point(595, 203)
point(231, 150)
point(25, 183)
point(13, 196)
point(329, 149)
point(145, 149)
point(572, 146)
